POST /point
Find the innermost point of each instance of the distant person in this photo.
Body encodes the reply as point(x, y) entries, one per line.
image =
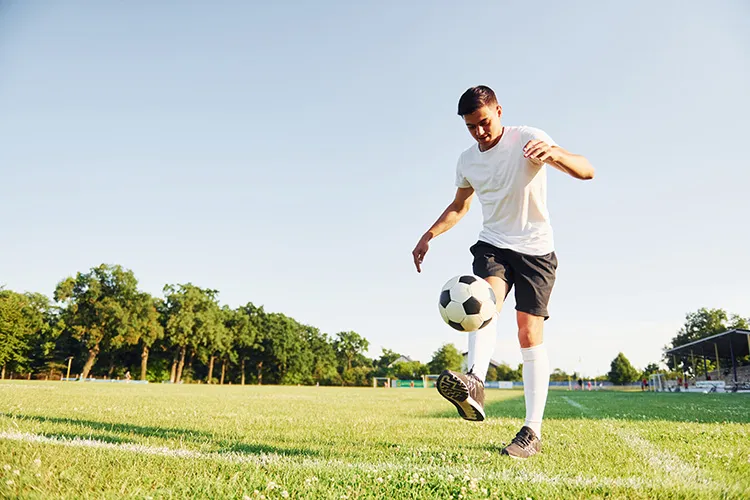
point(127, 376)
point(506, 169)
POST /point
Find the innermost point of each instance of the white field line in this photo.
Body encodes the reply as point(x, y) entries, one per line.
point(656, 457)
point(459, 473)
point(574, 404)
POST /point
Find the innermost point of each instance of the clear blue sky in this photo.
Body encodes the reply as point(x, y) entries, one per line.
point(292, 154)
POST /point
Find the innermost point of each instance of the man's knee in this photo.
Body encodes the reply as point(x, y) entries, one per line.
point(529, 337)
point(530, 330)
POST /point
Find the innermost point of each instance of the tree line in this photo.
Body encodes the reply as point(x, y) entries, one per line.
point(100, 324)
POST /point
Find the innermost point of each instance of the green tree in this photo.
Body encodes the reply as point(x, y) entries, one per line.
point(214, 342)
point(148, 326)
point(45, 326)
point(447, 357)
point(491, 374)
point(650, 369)
point(357, 376)
point(284, 355)
point(386, 358)
point(508, 374)
point(621, 371)
point(192, 315)
point(700, 324)
point(381, 366)
point(737, 322)
point(244, 325)
point(409, 370)
point(558, 375)
point(101, 309)
point(15, 330)
point(219, 345)
point(324, 366)
point(350, 344)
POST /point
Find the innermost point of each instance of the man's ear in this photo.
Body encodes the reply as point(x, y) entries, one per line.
point(499, 111)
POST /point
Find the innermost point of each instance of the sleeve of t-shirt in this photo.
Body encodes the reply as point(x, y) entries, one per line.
point(460, 179)
point(537, 134)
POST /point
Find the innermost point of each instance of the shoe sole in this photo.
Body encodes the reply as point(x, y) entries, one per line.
point(454, 390)
point(516, 457)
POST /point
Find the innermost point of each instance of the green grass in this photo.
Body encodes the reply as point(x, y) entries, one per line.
point(73, 440)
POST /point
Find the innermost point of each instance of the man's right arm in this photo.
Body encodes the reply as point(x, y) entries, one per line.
point(449, 218)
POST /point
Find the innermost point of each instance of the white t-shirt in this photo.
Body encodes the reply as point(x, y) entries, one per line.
point(512, 190)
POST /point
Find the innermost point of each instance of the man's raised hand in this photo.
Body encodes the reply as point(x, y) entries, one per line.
point(539, 151)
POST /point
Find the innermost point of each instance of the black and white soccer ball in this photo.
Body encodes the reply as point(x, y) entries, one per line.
point(467, 303)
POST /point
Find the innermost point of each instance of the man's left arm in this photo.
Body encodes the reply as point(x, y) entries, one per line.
point(572, 164)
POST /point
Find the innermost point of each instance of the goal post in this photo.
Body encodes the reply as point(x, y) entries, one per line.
point(657, 382)
point(381, 382)
point(430, 380)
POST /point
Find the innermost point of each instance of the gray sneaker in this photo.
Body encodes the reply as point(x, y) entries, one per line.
point(525, 444)
point(466, 392)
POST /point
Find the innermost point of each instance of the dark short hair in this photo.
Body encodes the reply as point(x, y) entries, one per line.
point(474, 98)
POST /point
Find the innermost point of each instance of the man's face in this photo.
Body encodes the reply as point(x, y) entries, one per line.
point(484, 125)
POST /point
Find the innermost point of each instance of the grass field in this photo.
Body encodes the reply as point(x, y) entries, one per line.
point(73, 440)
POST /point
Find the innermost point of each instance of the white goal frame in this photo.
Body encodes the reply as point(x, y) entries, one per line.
point(386, 379)
point(657, 382)
point(430, 376)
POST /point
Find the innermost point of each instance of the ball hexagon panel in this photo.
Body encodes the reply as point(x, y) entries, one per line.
point(455, 312)
point(468, 279)
point(451, 283)
point(472, 306)
point(460, 293)
point(481, 290)
point(444, 314)
point(445, 298)
point(456, 326)
point(472, 323)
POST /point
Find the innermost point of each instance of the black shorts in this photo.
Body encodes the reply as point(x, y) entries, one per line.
point(532, 275)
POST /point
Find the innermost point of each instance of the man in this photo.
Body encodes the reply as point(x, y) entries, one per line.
point(506, 170)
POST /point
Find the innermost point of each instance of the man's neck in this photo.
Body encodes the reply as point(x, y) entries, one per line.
point(494, 143)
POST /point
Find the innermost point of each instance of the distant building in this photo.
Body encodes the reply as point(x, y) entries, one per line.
point(401, 359)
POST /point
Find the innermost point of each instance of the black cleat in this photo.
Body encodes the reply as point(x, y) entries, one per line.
point(466, 392)
point(524, 445)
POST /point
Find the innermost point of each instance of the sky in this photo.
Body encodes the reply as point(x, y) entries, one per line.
point(291, 154)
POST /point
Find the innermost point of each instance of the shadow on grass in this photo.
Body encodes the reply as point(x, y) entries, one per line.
point(120, 428)
point(94, 430)
point(616, 405)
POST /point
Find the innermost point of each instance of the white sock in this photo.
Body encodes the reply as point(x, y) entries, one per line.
point(535, 385)
point(481, 346)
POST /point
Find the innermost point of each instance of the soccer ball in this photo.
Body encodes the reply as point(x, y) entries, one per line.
point(467, 303)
